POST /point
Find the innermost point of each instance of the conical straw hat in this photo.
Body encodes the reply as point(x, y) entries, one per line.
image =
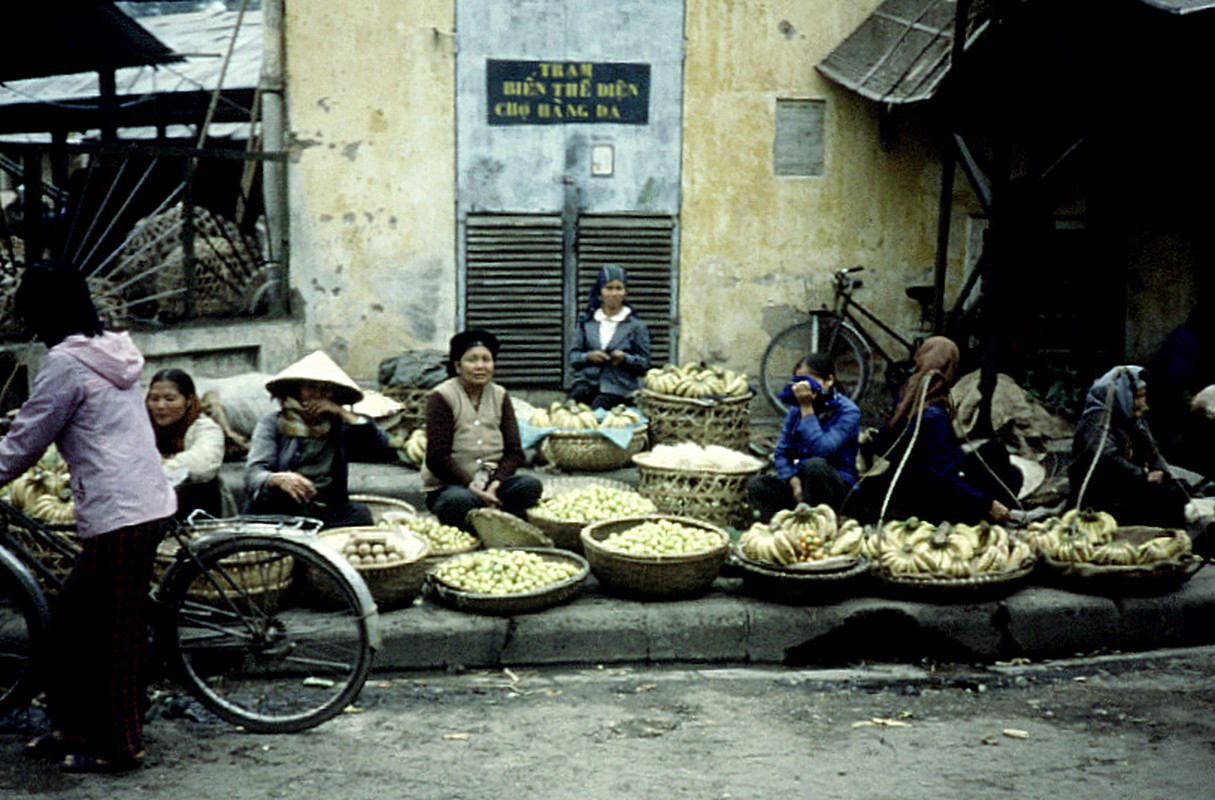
point(318, 368)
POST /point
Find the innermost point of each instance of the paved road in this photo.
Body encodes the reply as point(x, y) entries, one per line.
point(1105, 728)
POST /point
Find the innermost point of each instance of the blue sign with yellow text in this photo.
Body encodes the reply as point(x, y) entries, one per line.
point(566, 92)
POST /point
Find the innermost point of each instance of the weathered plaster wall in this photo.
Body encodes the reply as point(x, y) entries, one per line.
point(752, 242)
point(371, 186)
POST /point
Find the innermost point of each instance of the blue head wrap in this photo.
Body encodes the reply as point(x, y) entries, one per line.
point(609, 273)
point(1126, 381)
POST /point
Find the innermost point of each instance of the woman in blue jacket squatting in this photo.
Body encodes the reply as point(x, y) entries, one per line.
point(611, 347)
point(815, 455)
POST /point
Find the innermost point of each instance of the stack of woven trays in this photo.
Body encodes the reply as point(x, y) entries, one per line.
point(413, 401)
point(717, 496)
point(725, 421)
point(590, 451)
point(380, 505)
point(653, 577)
point(392, 585)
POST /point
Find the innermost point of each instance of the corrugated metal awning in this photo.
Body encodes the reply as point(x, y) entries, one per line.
point(901, 53)
point(59, 37)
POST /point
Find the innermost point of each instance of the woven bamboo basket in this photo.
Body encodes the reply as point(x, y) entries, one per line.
point(718, 497)
point(665, 577)
point(1158, 577)
point(268, 578)
point(520, 602)
point(585, 450)
point(951, 590)
point(725, 421)
point(56, 546)
point(497, 528)
point(565, 532)
point(806, 584)
point(380, 505)
point(391, 585)
point(413, 402)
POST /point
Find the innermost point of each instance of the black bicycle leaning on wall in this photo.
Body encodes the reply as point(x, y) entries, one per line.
point(264, 625)
point(840, 332)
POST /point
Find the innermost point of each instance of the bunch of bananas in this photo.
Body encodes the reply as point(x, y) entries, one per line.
point(44, 491)
point(696, 380)
point(580, 417)
point(802, 534)
point(412, 448)
point(1088, 536)
point(913, 547)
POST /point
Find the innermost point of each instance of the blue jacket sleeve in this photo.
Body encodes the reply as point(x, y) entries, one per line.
point(637, 358)
point(579, 347)
point(784, 455)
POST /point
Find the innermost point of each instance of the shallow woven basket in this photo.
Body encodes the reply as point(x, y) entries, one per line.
point(584, 450)
point(413, 401)
point(1133, 579)
point(521, 602)
point(797, 586)
point(379, 504)
point(715, 496)
point(391, 585)
point(497, 528)
point(565, 532)
point(667, 577)
point(725, 421)
point(947, 589)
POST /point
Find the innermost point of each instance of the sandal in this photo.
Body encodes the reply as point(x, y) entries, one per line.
point(87, 762)
point(51, 745)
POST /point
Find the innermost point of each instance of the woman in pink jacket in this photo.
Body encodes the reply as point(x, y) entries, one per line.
point(86, 399)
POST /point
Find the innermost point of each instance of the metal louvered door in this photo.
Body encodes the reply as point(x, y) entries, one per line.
point(516, 277)
point(514, 289)
point(644, 246)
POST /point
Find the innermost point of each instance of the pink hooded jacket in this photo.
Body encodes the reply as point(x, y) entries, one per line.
point(87, 399)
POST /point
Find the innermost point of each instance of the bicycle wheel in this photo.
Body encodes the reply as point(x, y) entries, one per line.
point(242, 632)
point(24, 622)
point(851, 353)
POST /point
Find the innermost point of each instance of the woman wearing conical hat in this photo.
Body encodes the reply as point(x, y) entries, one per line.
point(299, 455)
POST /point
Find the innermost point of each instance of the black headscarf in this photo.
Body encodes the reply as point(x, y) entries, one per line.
point(464, 341)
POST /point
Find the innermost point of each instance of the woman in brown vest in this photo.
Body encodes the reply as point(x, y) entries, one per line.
point(472, 438)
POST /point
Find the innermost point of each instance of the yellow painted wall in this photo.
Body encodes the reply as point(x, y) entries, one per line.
point(750, 241)
point(371, 94)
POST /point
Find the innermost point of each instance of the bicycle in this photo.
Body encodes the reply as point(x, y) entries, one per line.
point(233, 617)
point(838, 332)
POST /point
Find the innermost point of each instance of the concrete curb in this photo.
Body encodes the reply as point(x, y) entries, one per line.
point(728, 626)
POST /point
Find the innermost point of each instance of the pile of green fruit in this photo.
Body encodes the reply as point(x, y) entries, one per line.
point(662, 537)
point(504, 572)
point(594, 503)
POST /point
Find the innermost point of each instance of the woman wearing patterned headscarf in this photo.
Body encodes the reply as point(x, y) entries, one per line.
point(611, 346)
point(1130, 478)
point(938, 483)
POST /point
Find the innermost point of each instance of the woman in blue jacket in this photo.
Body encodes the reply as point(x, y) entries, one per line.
point(815, 455)
point(611, 347)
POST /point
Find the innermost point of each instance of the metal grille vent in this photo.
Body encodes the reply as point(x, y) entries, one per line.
point(514, 289)
point(645, 247)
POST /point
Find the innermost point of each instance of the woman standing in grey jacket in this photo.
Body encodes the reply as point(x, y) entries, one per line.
point(611, 346)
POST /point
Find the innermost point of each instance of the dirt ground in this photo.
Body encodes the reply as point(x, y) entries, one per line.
point(1118, 727)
